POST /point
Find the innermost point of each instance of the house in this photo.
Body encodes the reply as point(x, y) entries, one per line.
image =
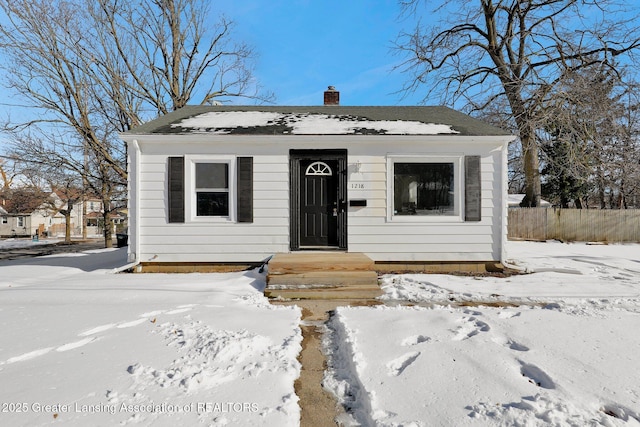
point(30, 212)
point(14, 225)
point(11, 225)
point(237, 184)
point(18, 209)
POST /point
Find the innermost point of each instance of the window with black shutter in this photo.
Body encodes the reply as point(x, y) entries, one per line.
point(434, 188)
point(218, 188)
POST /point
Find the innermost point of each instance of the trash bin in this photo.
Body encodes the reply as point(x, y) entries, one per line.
point(122, 240)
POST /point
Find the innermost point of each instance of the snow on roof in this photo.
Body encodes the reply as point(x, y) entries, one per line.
point(318, 120)
point(307, 124)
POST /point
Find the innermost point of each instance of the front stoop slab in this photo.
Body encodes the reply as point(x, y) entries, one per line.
point(322, 275)
point(300, 262)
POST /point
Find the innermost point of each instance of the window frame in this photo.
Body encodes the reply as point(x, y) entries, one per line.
point(458, 187)
point(191, 209)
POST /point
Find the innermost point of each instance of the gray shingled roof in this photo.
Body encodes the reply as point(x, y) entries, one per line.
point(460, 124)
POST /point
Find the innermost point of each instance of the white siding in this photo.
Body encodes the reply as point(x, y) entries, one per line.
point(215, 240)
point(369, 229)
point(424, 239)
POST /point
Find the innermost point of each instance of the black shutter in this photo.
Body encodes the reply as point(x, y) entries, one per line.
point(294, 201)
point(245, 189)
point(472, 189)
point(176, 189)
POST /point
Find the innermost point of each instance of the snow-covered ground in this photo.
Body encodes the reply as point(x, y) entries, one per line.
point(80, 346)
point(83, 346)
point(562, 351)
point(19, 243)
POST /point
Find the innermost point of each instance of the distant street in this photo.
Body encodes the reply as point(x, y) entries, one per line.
point(9, 253)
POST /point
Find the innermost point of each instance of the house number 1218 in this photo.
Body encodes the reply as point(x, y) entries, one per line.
point(355, 186)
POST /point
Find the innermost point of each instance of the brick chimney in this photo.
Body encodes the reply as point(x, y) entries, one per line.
point(331, 96)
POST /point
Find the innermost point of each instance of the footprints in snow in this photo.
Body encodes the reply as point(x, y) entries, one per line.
point(97, 330)
point(76, 344)
point(30, 355)
point(397, 366)
point(41, 352)
point(209, 358)
point(509, 343)
point(88, 338)
point(414, 340)
point(536, 375)
point(470, 327)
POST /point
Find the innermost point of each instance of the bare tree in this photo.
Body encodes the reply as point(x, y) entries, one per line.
point(58, 162)
point(88, 70)
point(7, 174)
point(45, 66)
point(172, 52)
point(481, 50)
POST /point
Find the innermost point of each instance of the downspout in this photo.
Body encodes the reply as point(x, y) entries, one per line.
point(505, 210)
point(134, 257)
point(505, 205)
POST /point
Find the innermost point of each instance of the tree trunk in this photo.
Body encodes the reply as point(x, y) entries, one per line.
point(601, 185)
point(533, 188)
point(108, 230)
point(67, 226)
point(578, 203)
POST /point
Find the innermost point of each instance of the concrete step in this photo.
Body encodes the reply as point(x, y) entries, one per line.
point(322, 275)
point(323, 279)
point(324, 285)
point(332, 293)
point(300, 262)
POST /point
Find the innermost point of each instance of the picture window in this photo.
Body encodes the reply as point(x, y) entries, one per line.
point(423, 189)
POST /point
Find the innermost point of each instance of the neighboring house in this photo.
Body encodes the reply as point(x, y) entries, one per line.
point(12, 225)
point(92, 213)
point(15, 225)
point(236, 184)
point(28, 213)
point(16, 215)
point(53, 221)
point(514, 201)
point(95, 221)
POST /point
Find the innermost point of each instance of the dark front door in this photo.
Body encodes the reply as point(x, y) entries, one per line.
point(318, 193)
point(318, 203)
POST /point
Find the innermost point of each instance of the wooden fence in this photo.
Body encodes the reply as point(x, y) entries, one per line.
point(582, 225)
point(57, 230)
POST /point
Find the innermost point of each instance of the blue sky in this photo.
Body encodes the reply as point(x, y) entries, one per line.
point(303, 46)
